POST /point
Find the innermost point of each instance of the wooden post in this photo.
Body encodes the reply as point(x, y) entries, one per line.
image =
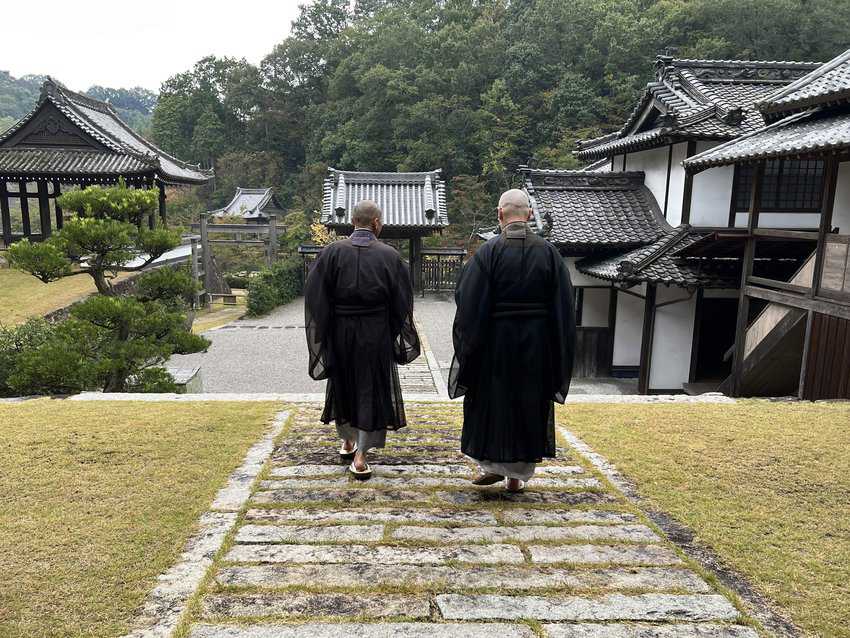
point(688, 188)
point(25, 208)
point(646, 339)
point(205, 249)
point(416, 263)
point(162, 219)
point(44, 210)
point(830, 174)
point(271, 247)
point(193, 265)
point(5, 217)
point(612, 321)
point(746, 272)
point(57, 192)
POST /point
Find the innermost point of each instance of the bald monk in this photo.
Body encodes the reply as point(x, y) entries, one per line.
point(358, 303)
point(514, 337)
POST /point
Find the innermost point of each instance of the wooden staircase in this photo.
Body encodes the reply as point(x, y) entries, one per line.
point(773, 347)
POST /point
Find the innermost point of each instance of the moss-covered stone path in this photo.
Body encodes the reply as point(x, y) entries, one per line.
point(419, 552)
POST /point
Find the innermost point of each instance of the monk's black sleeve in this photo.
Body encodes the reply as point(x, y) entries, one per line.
point(406, 346)
point(472, 316)
point(318, 316)
point(562, 328)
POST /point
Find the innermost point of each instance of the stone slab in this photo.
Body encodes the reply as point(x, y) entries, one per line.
point(311, 534)
point(351, 495)
point(594, 630)
point(614, 554)
point(381, 554)
point(403, 482)
point(480, 496)
point(365, 630)
point(560, 517)
point(297, 471)
point(312, 605)
point(373, 515)
point(459, 578)
point(632, 533)
point(656, 607)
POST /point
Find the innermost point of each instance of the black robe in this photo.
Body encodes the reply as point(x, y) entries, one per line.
point(514, 338)
point(358, 303)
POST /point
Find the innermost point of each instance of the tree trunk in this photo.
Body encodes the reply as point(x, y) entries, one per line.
point(102, 284)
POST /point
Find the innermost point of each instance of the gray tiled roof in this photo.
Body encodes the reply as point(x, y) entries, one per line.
point(584, 212)
point(406, 199)
point(697, 99)
point(100, 121)
point(657, 264)
point(69, 162)
point(828, 84)
point(250, 203)
point(798, 134)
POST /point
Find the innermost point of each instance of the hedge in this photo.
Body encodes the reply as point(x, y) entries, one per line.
point(275, 286)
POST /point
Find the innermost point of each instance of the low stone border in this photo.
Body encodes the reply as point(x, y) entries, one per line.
point(417, 398)
point(164, 606)
point(433, 365)
point(684, 538)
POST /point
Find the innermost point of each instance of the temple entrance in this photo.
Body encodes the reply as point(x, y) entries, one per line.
point(715, 325)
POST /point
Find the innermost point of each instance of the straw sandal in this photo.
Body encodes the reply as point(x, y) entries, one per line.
point(360, 475)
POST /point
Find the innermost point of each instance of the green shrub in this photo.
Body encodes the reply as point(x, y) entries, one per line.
point(14, 341)
point(237, 281)
point(275, 286)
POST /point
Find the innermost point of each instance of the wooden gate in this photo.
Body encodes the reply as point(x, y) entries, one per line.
point(593, 353)
point(441, 268)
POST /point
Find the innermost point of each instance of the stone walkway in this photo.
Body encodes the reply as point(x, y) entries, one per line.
point(418, 552)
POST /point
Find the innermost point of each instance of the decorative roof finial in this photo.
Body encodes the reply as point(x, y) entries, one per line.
point(430, 209)
point(340, 196)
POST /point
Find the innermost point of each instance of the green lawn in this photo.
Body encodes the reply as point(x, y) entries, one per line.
point(96, 499)
point(25, 296)
point(766, 485)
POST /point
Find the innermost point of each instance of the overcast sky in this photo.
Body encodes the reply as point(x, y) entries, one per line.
point(126, 44)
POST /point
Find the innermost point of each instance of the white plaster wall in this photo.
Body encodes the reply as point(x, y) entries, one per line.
point(672, 340)
point(841, 210)
point(578, 279)
point(712, 194)
point(628, 329)
point(809, 221)
point(594, 308)
point(653, 163)
point(618, 163)
point(677, 185)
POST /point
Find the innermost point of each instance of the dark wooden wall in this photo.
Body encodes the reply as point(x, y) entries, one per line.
point(593, 352)
point(827, 374)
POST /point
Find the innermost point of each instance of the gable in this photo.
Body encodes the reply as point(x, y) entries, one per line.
point(49, 127)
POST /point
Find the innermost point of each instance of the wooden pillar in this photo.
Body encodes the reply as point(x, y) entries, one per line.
point(698, 309)
point(271, 246)
point(646, 339)
point(746, 272)
point(205, 250)
point(57, 192)
point(5, 217)
point(688, 188)
point(25, 208)
point(44, 210)
point(612, 321)
point(161, 204)
point(416, 263)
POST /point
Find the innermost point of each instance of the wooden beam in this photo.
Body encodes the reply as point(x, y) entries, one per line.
point(57, 192)
point(804, 363)
point(162, 219)
point(646, 339)
point(612, 319)
point(780, 285)
point(796, 301)
point(25, 208)
point(667, 185)
point(5, 217)
point(746, 273)
point(830, 173)
point(44, 210)
point(698, 309)
point(687, 190)
point(579, 305)
point(779, 233)
point(735, 181)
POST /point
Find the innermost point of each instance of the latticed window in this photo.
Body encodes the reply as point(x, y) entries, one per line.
point(789, 185)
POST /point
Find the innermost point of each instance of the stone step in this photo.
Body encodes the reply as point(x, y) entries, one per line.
point(596, 554)
point(418, 481)
point(352, 496)
point(298, 471)
point(396, 456)
point(310, 605)
point(633, 533)
point(481, 496)
point(560, 517)
point(365, 630)
point(375, 515)
point(444, 577)
point(381, 554)
point(302, 534)
point(638, 630)
point(656, 607)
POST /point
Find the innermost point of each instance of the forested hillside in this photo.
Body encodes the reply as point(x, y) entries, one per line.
point(474, 87)
point(19, 95)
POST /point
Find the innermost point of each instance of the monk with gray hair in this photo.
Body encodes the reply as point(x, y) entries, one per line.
point(358, 303)
point(514, 337)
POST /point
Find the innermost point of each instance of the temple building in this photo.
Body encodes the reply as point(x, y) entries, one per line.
point(413, 206)
point(253, 205)
point(641, 233)
point(69, 139)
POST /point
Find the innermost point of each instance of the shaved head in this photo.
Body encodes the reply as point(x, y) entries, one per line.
point(365, 212)
point(513, 206)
